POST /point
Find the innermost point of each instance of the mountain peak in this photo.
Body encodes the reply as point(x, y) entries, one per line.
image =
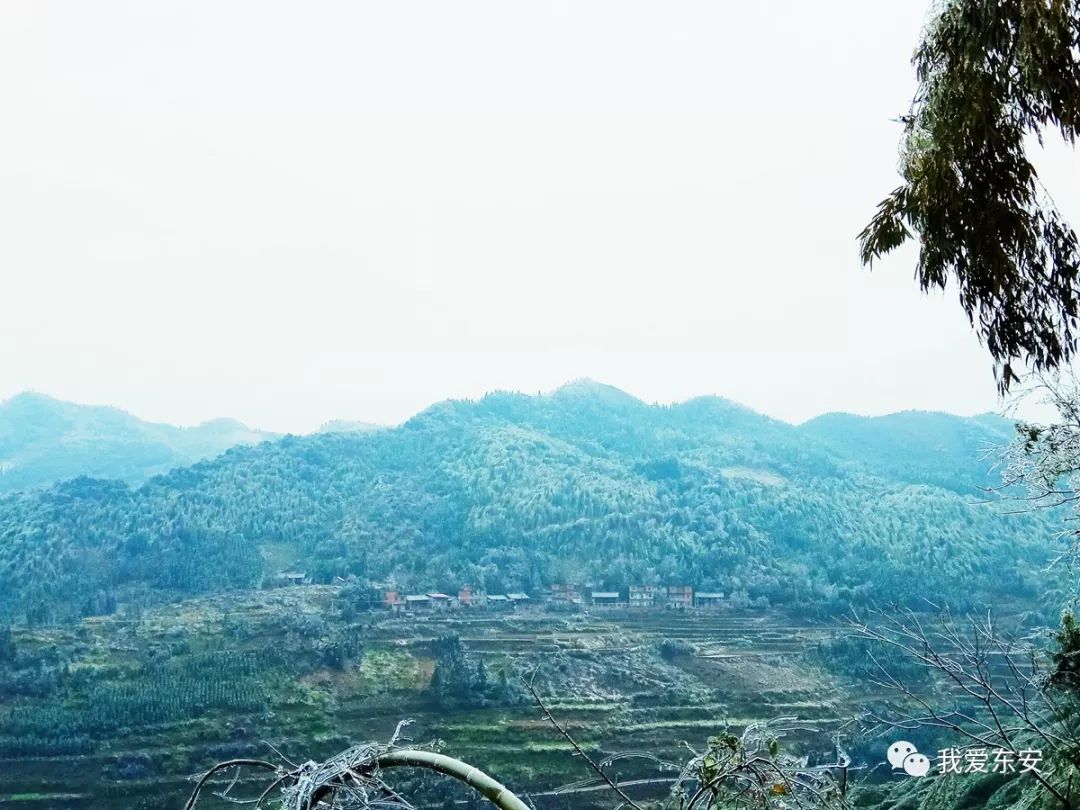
point(588, 387)
point(31, 399)
point(713, 402)
point(44, 440)
point(34, 404)
point(28, 396)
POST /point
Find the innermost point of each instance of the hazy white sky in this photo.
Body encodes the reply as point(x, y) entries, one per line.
point(289, 212)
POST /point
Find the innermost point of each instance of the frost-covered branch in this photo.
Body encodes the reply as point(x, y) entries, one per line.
point(352, 780)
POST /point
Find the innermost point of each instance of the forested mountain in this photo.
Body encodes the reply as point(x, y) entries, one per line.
point(920, 447)
point(586, 484)
point(44, 440)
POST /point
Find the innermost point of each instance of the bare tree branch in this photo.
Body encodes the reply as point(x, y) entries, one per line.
point(530, 686)
point(1002, 699)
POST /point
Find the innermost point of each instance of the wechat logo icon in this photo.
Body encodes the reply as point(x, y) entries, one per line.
point(902, 755)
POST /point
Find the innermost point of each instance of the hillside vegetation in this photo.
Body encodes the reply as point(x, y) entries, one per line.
point(516, 492)
point(110, 712)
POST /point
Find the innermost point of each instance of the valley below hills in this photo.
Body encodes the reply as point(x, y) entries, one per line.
point(159, 622)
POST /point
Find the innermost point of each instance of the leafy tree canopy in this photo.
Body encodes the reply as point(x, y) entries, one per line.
point(991, 73)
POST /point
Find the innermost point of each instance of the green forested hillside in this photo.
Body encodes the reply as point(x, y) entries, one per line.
point(515, 492)
point(917, 446)
point(44, 440)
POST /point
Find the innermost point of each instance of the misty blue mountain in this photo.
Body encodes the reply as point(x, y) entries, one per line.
point(514, 492)
point(44, 440)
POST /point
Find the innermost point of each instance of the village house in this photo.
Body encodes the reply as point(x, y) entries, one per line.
point(394, 601)
point(498, 600)
point(679, 596)
point(292, 577)
point(609, 598)
point(517, 598)
point(465, 596)
point(565, 593)
point(709, 599)
point(417, 602)
point(439, 601)
point(644, 595)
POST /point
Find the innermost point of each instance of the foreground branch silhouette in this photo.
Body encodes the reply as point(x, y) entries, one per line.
point(352, 779)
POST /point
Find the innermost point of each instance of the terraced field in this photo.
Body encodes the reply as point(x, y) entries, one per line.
point(600, 672)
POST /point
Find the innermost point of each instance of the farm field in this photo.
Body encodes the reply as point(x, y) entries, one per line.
point(622, 680)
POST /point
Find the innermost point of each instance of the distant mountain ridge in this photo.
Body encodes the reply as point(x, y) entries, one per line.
point(44, 440)
point(932, 447)
point(583, 484)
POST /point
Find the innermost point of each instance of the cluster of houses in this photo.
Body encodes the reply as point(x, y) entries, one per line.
point(466, 597)
point(677, 597)
point(640, 596)
point(636, 596)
